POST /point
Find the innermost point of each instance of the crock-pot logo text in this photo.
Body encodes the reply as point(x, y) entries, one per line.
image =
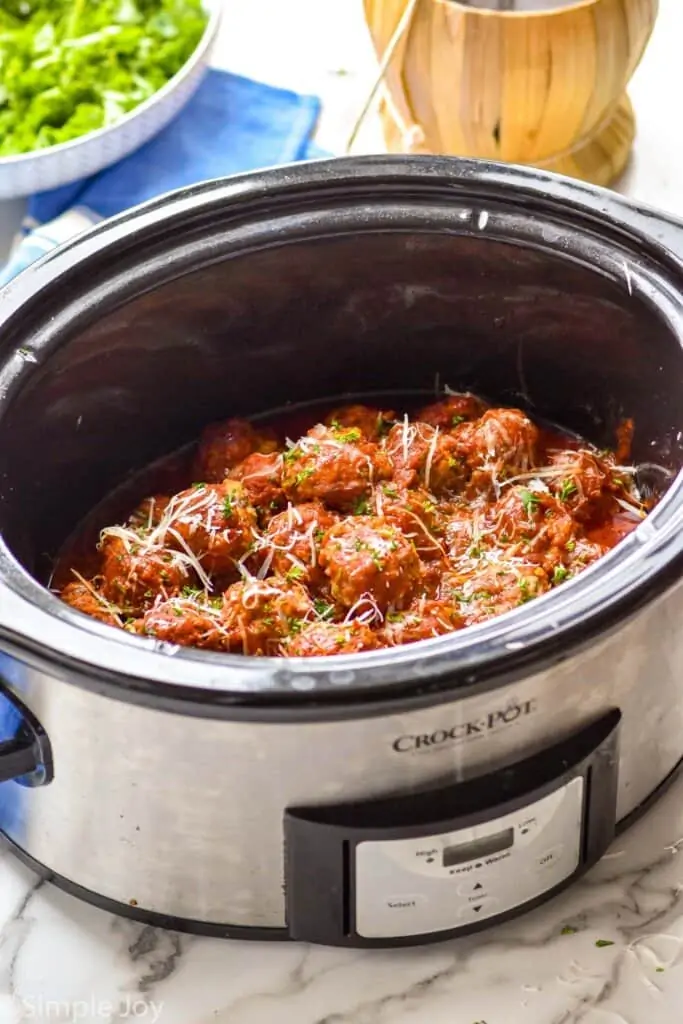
point(476, 729)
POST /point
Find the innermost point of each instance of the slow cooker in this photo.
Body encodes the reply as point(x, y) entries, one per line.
point(387, 798)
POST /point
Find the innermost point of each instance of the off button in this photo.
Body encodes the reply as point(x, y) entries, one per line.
point(550, 858)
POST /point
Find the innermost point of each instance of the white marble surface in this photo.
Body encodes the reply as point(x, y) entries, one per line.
point(63, 961)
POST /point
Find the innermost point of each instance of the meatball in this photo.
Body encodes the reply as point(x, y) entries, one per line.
point(321, 467)
point(494, 589)
point(581, 482)
point(185, 621)
point(423, 456)
point(136, 572)
point(291, 543)
point(261, 477)
point(149, 512)
point(259, 614)
point(423, 620)
point(451, 411)
point(499, 445)
point(368, 557)
point(86, 598)
point(322, 639)
point(223, 445)
point(370, 423)
point(216, 523)
point(520, 513)
point(416, 515)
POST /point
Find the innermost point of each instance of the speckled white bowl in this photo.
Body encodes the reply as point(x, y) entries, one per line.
point(58, 165)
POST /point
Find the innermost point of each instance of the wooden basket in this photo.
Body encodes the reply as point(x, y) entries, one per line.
point(542, 87)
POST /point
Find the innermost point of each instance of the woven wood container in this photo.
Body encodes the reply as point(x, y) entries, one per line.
point(539, 82)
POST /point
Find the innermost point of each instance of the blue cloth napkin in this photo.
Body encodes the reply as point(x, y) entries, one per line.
point(230, 125)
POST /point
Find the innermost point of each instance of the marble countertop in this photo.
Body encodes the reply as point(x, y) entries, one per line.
point(609, 951)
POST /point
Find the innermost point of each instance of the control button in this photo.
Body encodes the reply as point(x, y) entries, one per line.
point(550, 858)
point(483, 907)
point(404, 902)
point(472, 888)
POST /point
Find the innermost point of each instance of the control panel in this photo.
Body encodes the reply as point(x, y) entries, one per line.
point(425, 865)
point(435, 883)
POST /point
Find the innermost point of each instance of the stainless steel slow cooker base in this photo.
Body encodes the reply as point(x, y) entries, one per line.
point(257, 796)
point(242, 933)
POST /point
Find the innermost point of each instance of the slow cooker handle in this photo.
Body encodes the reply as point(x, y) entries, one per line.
point(27, 755)
point(17, 758)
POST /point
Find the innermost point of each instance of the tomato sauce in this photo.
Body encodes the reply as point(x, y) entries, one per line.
point(349, 530)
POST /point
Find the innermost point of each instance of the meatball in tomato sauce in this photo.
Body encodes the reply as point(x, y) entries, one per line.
point(366, 528)
point(367, 556)
point(223, 446)
point(334, 466)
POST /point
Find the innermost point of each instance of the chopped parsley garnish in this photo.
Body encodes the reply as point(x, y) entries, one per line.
point(295, 626)
point(352, 434)
point(567, 489)
point(560, 574)
point(294, 573)
point(323, 609)
point(228, 506)
point(303, 474)
point(456, 420)
point(198, 486)
point(570, 545)
point(568, 930)
point(361, 507)
point(530, 502)
point(601, 943)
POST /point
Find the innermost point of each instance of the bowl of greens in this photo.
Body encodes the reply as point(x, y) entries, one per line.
point(83, 83)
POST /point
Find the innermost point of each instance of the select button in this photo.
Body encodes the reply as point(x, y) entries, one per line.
point(399, 903)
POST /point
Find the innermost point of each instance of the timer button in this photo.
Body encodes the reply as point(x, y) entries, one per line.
point(485, 907)
point(472, 888)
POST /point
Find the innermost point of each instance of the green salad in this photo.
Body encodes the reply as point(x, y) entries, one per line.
point(68, 67)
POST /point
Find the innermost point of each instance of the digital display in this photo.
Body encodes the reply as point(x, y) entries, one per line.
point(475, 849)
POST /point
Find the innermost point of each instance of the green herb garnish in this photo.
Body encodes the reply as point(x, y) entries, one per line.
point(322, 609)
point(455, 420)
point(361, 507)
point(567, 489)
point(601, 943)
point(228, 506)
point(352, 434)
point(568, 930)
point(295, 573)
point(69, 67)
point(560, 574)
point(530, 502)
point(303, 474)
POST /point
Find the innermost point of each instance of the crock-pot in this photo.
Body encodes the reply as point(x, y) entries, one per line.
point(386, 798)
